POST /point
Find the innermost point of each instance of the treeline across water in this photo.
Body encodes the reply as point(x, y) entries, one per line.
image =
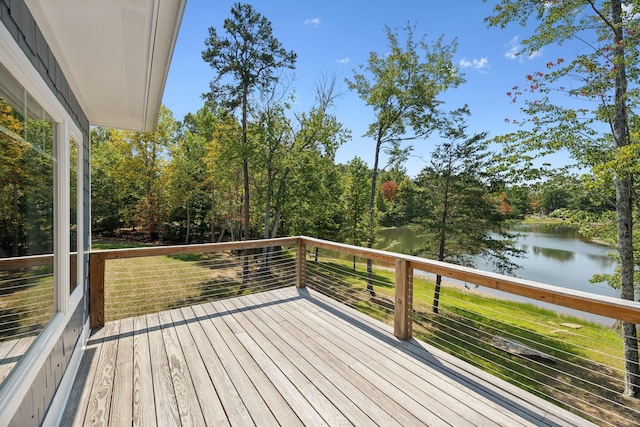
point(183, 184)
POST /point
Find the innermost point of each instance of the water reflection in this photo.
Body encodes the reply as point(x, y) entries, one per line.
point(555, 254)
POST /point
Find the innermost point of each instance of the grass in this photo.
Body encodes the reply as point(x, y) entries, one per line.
point(115, 244)
point(543, 220)
point(26, 301)
point(137, 286)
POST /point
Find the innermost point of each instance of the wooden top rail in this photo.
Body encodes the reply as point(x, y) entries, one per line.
point(615, 308)
point(190, 249)
point(383, 257)
point(15, 263)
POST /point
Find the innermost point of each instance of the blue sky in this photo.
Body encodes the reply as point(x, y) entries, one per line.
point(336, 37)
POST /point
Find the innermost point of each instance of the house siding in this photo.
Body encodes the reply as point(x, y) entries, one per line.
point(17, 18)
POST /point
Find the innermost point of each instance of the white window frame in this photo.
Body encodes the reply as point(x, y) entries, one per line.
point(14, 389)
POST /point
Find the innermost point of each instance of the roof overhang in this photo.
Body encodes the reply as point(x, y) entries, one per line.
point(115, 54)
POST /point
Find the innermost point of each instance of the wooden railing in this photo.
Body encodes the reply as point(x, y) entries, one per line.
point(580, 370)
point(97, 263)
point(403, 265)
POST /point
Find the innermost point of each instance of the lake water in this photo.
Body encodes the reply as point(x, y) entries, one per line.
point(556, 255)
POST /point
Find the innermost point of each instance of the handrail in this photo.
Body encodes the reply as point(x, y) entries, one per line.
point(14, 263)
point(97, 262)
point(190, 249)
point(625, 310)
point(628, 311)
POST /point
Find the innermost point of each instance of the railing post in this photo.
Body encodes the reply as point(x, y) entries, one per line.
point(403, 308)
point(96, 290)
point(301, 264)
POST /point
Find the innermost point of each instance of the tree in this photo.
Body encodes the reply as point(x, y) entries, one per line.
point(128, 186)
point(601, 81)
point(13, 170)
point(402, 86)
point(186, 176)
point(249, 56)
point(389, 190)
point(224, 176)
point(355, 198)
point(458, 211)
point(149, 150)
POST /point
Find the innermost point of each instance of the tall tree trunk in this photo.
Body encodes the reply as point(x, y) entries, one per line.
point(372, 199)
point(624, 207)
point(245, 173)
point(186, 238)
point(15, 249)
point(212, 223)
point(266, 252)
point(441, 243)
point(277, 216)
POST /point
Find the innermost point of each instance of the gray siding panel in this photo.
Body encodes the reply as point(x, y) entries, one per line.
point(18, 20)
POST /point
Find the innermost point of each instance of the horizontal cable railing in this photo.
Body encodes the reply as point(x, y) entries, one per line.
point(26, 305)
point(574, 362)
point(133, 282)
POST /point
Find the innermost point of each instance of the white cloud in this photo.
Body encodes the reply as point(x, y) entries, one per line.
point(514, 48)
point(477, 64)
point(344, 60)
point(629, 12)
point(536, 54)
point(313, 22)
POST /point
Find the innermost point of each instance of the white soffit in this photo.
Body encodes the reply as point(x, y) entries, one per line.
point(114, 53)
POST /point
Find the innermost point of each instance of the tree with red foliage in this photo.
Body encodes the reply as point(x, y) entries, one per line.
point(389, 190)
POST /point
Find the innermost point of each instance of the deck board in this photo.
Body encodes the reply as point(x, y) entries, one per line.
point(285, 357)
point(121, 406)
point(143, 405)
point(11, 352)
point(433, 388)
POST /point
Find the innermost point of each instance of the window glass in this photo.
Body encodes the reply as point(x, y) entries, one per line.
point(73, 214)
point(26, 220)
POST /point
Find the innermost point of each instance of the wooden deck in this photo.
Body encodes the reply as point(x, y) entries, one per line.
point(287, 357)
point(11, 352)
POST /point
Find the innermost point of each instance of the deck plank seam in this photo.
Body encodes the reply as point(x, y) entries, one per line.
point(251, 397)
point(222, 382)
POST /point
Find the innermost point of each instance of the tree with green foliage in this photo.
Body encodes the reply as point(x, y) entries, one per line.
point(356, 195)
point(223, 162)
point(111, 198)
point(13, 171)
point(149, 155)
point(601, 81)
point(249, 56)
point(186, 176)
point(402, 86)
point(459, 213)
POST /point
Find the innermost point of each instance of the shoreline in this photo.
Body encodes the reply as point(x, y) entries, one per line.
point(493, 293)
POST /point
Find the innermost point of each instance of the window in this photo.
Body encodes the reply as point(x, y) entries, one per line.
point(73, 214)
point(27, 223)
